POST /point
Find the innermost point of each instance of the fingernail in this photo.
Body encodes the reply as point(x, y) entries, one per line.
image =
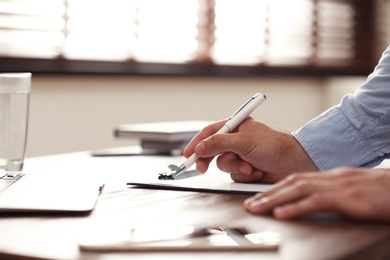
point(243, 170)
point(257, 207)
point(255, 202)
point(249, 200)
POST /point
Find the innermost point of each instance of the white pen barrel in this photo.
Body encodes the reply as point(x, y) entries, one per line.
point(239, 116)
point(191, 160)
point(225, 129)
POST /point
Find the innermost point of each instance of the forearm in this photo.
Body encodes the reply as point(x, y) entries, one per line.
point(356, 132)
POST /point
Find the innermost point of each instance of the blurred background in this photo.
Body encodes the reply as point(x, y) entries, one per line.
point(100, 63)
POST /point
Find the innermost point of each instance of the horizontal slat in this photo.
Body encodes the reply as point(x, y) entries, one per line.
point(241, 32)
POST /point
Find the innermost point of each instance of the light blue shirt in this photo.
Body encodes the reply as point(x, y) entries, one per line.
point(357, 131)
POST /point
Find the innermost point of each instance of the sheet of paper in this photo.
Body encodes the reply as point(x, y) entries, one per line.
point(212, 181)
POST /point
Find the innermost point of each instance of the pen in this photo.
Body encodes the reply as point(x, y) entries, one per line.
point(237, 118)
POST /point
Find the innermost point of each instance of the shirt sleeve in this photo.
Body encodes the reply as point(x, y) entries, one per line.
point(357, 131)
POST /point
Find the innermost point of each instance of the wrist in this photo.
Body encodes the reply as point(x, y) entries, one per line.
point(296, 157)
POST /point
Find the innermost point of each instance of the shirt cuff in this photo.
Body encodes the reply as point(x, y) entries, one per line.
point(331, 141)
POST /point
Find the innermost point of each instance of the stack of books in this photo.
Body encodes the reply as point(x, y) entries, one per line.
point(165, 137)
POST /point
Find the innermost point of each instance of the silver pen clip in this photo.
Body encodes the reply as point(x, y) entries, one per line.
point(170, 175)
point(244, 105)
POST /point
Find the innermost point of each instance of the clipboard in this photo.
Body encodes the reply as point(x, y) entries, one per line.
point(225, 187)
point(177, 238)
point(213, 181)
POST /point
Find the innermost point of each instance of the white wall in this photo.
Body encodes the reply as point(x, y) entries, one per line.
point(79, 113)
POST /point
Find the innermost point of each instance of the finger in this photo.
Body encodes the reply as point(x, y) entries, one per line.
point(240, 171)
point(221, 143)
point(265, 204)
point(267, 201)
point(315, 203)
point(228, 162)
point(287, 182)
point(231, 163)
point(202, 164)
point(255, 176)
point(203, 134)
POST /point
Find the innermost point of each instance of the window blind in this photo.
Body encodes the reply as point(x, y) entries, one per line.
point(272, 33)
point(28, 30)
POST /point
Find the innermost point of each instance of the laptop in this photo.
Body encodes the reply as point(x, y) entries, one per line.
point(48, 191)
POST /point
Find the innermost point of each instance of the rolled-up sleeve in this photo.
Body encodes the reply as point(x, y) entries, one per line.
point(357, 131)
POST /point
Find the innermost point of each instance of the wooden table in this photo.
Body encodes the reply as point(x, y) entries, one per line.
point(54, 236)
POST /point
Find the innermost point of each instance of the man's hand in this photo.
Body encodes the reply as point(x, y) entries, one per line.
point(252, 152)
point(352, 192)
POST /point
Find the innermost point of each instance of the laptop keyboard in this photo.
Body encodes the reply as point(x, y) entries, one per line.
point(8, 178)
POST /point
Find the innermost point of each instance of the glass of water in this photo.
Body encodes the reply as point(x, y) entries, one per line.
point(14, 106)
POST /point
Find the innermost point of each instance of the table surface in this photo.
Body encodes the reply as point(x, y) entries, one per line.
point(55, 236)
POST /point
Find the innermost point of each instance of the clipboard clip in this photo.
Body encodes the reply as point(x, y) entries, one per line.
point(169, 175)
